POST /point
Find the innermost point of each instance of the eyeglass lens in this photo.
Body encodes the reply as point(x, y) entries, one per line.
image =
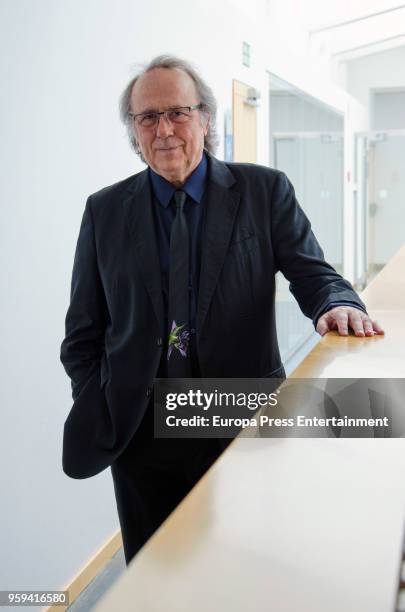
point(173, 115)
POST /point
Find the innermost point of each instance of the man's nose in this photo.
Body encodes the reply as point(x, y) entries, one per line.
point(164, 127)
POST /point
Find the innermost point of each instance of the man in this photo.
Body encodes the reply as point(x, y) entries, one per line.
point(174, 275)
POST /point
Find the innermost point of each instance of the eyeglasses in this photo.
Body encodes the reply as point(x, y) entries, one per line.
point(182, 114)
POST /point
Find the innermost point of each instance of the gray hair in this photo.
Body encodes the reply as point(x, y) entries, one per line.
point(204, 92)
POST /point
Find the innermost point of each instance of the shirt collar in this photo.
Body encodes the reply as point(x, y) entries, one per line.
point(194, 185)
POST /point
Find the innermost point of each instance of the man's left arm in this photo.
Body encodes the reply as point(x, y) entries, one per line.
point(322, 294)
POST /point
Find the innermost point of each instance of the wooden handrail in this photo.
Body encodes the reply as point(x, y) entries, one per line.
point(291, 524)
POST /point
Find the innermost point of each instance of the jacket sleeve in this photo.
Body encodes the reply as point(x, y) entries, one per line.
point(313, 282)
point(87, 315)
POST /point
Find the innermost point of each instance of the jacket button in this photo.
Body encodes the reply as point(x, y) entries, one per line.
point(159, 341)
point(149, 391)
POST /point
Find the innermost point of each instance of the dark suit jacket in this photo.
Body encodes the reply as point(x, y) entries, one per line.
point(253, 227)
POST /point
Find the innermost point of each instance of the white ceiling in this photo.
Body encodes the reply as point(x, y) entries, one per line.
point(346, 30)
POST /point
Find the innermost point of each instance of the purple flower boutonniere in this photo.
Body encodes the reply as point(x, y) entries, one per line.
point(178, 339)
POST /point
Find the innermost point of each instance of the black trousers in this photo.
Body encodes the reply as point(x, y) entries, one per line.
point(153, 475)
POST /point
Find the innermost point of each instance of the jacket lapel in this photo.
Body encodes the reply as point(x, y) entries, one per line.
point(221, 208)
point(139, 213)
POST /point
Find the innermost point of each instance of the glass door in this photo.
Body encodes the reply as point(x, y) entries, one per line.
point(306, 143)
point(383, 165)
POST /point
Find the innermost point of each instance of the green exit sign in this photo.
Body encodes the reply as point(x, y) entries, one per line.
point(245, 54)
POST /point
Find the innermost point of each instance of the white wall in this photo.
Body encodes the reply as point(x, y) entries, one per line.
point(63, 66)
point(385, 69)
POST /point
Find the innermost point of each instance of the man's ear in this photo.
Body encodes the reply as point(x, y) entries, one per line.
point(206, 125)
point(135, 140)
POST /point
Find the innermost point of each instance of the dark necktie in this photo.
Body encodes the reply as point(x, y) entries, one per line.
point(178, 355)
